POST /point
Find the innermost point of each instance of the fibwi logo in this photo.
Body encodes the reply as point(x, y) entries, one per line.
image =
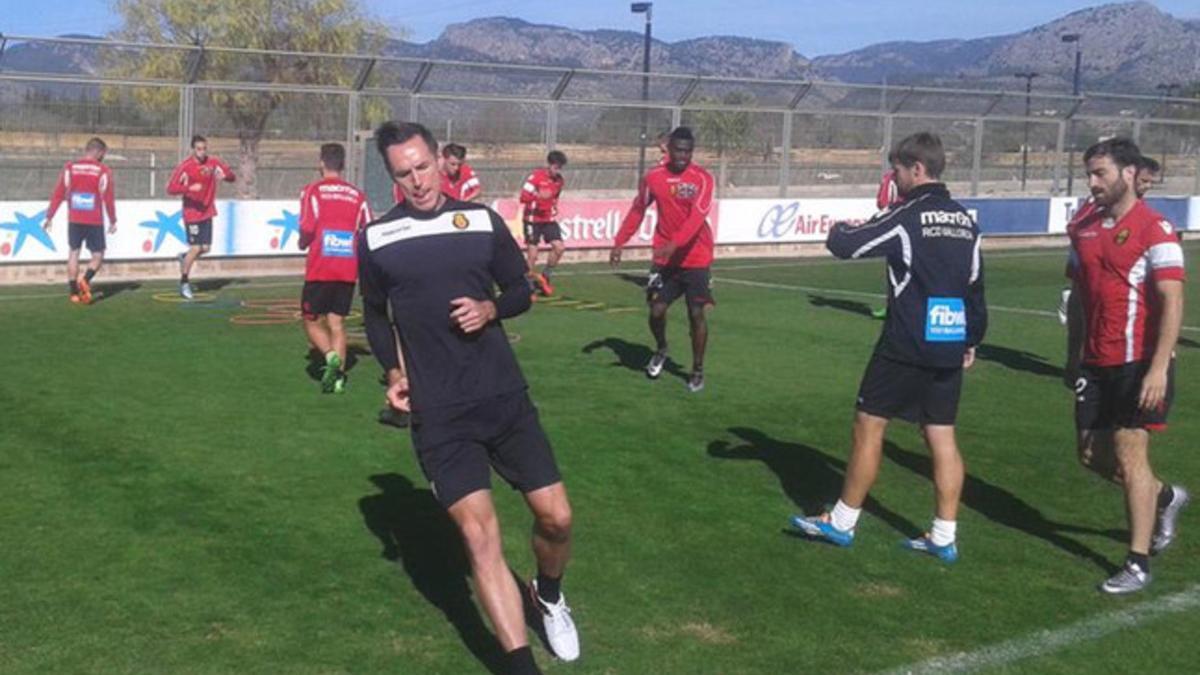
point(945, 320)
point(22, 228)
point(289, 224)
point(337, 244)
point(164, 225)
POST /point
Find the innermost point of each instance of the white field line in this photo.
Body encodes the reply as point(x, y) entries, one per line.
point(1053, 639)
point(879, 296)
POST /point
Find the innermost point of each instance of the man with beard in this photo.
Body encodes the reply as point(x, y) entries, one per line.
point(1125, 313)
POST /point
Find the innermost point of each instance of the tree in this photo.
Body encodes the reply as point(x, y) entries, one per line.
point(324, 26)
point(726, 130)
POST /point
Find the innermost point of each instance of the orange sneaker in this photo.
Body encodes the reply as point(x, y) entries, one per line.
point(544, 282)
point(75, 299)
point(85, 290)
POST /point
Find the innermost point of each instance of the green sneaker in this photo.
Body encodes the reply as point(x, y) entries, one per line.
point(329, 373)
point(339, 385)
point(880, 313)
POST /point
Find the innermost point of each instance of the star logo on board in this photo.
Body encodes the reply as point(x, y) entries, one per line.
point(23, 228)
point(289, 224)
point(166, 225)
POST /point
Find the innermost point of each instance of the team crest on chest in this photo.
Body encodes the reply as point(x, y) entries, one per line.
point(1122, 236)
point(685, 190)
point(460, 221)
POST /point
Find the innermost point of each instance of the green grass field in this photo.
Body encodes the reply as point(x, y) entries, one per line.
point(180, 498)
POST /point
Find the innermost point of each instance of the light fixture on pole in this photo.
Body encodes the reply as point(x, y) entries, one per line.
point(644, 8)
point(1028, 77)
point(1073, 38)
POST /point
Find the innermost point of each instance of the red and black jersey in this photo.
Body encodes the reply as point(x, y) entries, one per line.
point(684, 201)
point(200, 204)
point(332, 212)
point(465, 186)
point(540, 195)
point(1115, 264)
point(87, 187)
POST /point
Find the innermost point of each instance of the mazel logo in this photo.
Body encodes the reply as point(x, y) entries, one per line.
point(165, 225)
point(24, 227)
point(460, 221)
point(290, 224)
point(337, 244)
point(945, 320)
point(1122, 236)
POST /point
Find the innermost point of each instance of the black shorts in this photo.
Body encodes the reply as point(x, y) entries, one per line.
point(538, 232)
point(326, 297)
point(666, 284)
point(200, 234)
point(1107, 398)
point(92, 235)
point(913, 393)
point(457, 448)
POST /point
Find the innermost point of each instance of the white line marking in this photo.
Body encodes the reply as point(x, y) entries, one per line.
point(1051, 640)
point(879, 296)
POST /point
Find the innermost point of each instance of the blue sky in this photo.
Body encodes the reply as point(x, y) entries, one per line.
point(813, 27)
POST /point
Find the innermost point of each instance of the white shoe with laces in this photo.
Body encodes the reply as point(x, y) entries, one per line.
point(560, 627)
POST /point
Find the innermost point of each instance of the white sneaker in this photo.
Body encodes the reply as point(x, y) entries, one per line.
point(1165, 526)
point(656, 365)
point(1063, 304)
point(560, 628)
point(185, 289)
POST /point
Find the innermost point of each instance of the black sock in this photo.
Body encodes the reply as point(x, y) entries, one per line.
point(698, 369)
point(89, 274)
point(1142, 560)
point(1165, 495)
point(183, 278)
point(520, 662)
point(549, 589)
point(74, 286)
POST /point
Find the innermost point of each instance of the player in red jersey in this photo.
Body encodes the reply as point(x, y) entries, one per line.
point(886, 197)
point(1126, 310)
point(683, 248)
point(332, 212)
point(87, 187)
point(458, 178)
point(539, 197)
point(195, 179)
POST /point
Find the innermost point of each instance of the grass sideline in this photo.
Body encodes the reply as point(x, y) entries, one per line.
point(180, 498)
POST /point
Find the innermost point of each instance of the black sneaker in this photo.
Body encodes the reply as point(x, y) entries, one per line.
point(393, 417)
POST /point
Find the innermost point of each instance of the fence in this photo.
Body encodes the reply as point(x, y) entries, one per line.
point(266, 111)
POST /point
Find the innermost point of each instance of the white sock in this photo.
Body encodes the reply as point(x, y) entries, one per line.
point(943, 532)
point(330, 356)
point(844, 517)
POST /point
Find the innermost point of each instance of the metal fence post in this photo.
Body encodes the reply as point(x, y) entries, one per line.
point(1058, 156)
point(551, 125)
point(977, 157)
point(888, 121)
point(785, 155)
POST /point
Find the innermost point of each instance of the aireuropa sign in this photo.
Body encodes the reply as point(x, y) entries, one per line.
point(781, 221)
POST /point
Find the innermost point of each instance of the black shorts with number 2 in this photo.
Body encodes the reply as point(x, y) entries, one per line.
point(1107, 398)
point(666, 285)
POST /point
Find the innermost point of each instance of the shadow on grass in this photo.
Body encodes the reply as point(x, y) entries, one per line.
point(638, 280)
point(1018, 359)
point(633, 356)
point(103, 292)
point(316, 361)
point(1189, 343)
point(1005, 508)
point(809, 477)
point(210, 285)
point(415, 531)
point(852, 306)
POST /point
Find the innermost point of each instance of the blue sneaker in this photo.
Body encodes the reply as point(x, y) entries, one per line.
point(923, 544)
point(819, 528)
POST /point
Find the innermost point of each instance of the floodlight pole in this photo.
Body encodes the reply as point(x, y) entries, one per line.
point(644, 8)
point(1073, 38)
point(1168, 91)
point(1025, 145)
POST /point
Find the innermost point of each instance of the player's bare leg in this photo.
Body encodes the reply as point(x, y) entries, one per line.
point(698, 328)
point(556, 253)
point(1098, 454)
point(475, 516)
point(337, 334)
point(318, 337)
point(73, 273)
point(948, 469)
point(96, 262)
point(189, 258)
point(1141, 487)
point(865, 458)
point(658, 328)
point(552, 548)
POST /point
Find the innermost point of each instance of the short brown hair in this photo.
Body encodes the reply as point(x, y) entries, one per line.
point(922, 147)
point(333, 157)
point(96, 143)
